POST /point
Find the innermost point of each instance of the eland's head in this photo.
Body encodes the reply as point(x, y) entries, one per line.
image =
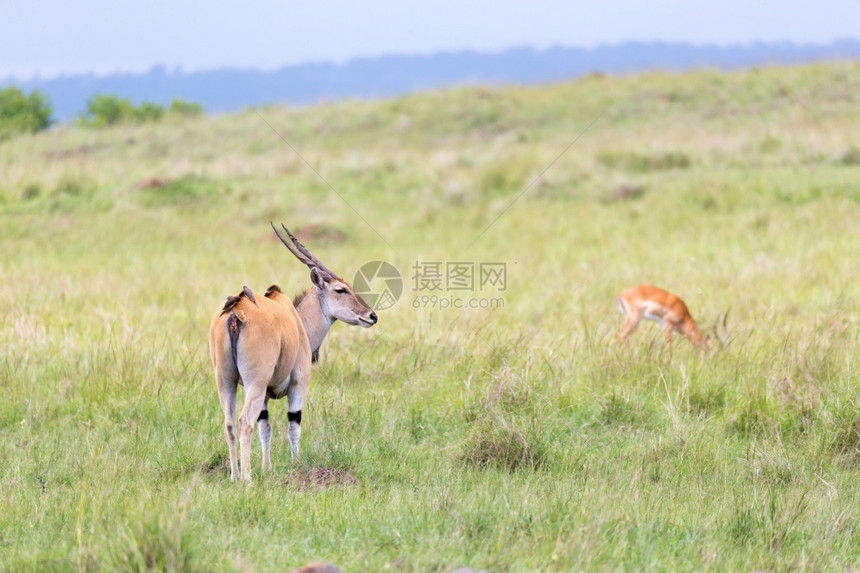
point(338, 299)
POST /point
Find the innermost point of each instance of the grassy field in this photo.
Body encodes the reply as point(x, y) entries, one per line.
point(516, 438)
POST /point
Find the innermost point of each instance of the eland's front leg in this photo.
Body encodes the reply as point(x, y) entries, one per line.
point(265, 429)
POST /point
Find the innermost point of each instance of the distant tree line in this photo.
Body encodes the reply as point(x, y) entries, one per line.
point(30, 113)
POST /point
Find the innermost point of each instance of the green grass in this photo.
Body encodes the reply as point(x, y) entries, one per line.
point(513, 439)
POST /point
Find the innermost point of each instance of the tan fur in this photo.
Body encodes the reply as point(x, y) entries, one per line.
point(653, 303)
point(274, 347)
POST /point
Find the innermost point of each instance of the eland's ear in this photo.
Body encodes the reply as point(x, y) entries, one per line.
point(317, 277)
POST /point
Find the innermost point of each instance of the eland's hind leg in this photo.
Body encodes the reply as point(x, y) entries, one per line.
point(256, 372)
point(255, 398)
point(228, 380)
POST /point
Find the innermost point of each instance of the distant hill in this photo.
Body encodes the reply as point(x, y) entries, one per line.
point(227, 90)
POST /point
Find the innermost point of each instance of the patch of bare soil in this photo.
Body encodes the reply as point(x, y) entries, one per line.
point(318, 567)
point(626, 192)
point(320, 478)
point(312, 234)
point(152, 183)
point(80, 151)
point(320, 233)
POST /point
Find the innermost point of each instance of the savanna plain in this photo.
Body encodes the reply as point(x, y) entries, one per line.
point(511, 438)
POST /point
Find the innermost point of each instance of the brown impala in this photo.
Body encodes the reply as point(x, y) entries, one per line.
point(267, 344)
point(653, 303)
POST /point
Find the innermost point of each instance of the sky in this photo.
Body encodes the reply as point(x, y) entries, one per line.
point(47, 38)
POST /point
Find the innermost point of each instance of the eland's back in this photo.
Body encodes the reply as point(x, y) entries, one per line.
point(262, 332)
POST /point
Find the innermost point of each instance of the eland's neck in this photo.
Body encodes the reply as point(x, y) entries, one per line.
point(315, 321)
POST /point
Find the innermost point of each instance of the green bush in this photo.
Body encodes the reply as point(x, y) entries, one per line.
point(147, 112)
point(185, 108)
point(105, 110)
point(850, 157)
point(23, 113)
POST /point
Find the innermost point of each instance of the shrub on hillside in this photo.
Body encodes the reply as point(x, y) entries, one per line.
point(105, 110)
point(23, 113)
point(185, 108)
point(147, 112)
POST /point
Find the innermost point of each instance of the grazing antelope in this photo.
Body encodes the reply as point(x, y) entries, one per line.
point(267, 344)
point(653, 303)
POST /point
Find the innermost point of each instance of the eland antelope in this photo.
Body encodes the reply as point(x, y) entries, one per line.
point(267, 344)
point(653, 303)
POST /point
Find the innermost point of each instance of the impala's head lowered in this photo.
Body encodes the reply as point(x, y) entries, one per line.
point(337, 297)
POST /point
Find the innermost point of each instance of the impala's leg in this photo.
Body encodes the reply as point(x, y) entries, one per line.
point(697, 343)
point(255, 399)
point(297, 394)
point(696, 339)
point(265, 429)
point(227, 380)
point(669, 329)
point(631, 321)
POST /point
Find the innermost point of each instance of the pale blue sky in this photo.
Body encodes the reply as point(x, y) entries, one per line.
point(50, 37)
